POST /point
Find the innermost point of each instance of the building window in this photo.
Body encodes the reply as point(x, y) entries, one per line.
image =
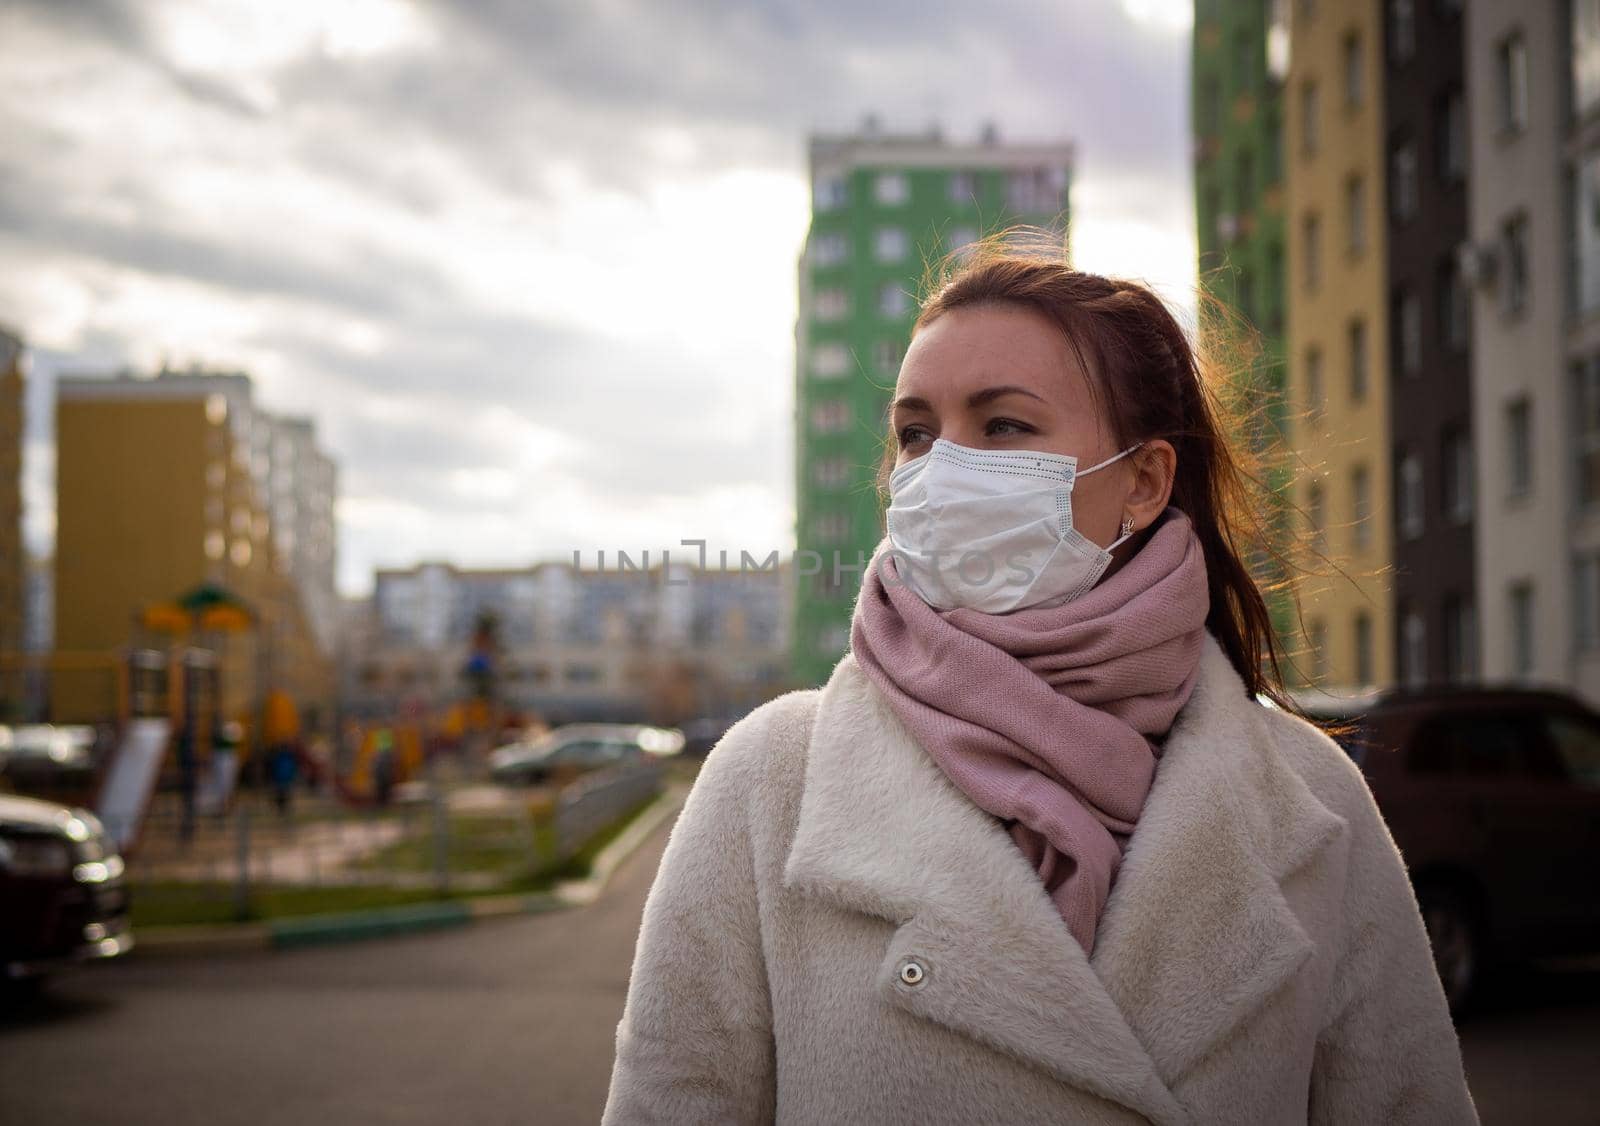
point(1403, 180)
point(1310, 117)
point(1519, 448)
point(833, 638)
point(1311, 240)
point(1361, 507)
point(1514, 237)
point(828, 249)
point(1411, 501)
point(830, 473)
point(886, 356)
point(1402, 29)
point(828, 193)
point(1521, 607)
point(1317, 639)
point(1355, 211)
point(1363, 643)
point(830, 416)
point(1511, 83)
point(890, 244)
point(1586, 600)
point(829, 361)
point(1457, 451)
point(959, 239)
point(1408, 332)
point(1450, 299)
point(1460, 639)
point(1450, 138)
point(1316, 396)
point(1354, 77)
point(1585, 212)
point(1585, 35)
point(891, 189)
point(963, 188)
point(1317, 516)
point(1413, 648)
point(1356, 337)
point(1586, 414)
point(893, 300)
point(830, 528)
point(1035, 190)
point(830, 304)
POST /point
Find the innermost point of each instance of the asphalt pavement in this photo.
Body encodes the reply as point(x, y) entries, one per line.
point(511, 1021)
point(506, 1021)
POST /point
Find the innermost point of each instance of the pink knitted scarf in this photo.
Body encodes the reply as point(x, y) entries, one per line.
point(1045, 717)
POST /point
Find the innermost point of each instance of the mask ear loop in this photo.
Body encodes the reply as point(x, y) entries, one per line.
point(1127, 534)
point(1127, 521)
point(1109, 460)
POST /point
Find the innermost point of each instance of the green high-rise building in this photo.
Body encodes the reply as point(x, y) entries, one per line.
point(885, 208)
point(1240, 59)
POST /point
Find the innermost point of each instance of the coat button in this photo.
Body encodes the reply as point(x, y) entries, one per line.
point(911, 972)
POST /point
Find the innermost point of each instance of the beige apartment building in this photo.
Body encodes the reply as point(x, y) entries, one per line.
point(1338, 333)
point(164, 484)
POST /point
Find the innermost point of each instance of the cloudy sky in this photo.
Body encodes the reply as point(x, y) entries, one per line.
point(529, 265)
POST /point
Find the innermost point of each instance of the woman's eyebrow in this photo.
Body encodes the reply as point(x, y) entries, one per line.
point(976, 399)
point(989, 394)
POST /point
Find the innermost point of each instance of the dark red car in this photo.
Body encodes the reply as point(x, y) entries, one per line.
point(63, 895)
point(1493, 797)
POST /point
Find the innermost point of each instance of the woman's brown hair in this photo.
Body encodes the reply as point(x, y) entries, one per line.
point(1152, 385)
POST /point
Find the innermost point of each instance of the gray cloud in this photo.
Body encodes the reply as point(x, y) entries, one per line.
point(508, 90)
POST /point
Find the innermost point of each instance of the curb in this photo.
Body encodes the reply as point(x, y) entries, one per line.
point(355, 926)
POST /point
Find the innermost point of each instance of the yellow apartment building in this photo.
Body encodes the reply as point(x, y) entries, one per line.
point(161, 487)
point(13, 564)
point(1338, 370)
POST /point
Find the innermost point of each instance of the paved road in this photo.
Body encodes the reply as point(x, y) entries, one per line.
point(508, 1021)
point(511, 1021)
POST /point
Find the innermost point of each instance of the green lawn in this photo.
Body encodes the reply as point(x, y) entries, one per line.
point(478, 844)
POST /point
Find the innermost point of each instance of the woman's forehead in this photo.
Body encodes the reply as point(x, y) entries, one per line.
point(965, 350)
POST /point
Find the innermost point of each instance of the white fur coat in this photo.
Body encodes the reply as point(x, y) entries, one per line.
point(1260, 960)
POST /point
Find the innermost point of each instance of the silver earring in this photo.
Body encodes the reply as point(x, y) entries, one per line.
point(1127, 525)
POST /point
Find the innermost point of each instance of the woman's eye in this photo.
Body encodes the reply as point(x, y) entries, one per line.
point(911, 435)
point(1002, 427)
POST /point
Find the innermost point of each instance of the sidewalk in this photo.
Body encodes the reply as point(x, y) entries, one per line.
point(317, 929)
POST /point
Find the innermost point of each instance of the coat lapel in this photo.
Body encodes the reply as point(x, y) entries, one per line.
point(1196, 935)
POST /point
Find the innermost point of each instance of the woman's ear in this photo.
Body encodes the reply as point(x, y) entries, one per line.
point(1154, 466)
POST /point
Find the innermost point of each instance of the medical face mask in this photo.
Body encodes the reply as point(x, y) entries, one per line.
point(991, 530)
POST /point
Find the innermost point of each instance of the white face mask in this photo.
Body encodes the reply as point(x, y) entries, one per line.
point(991, 530)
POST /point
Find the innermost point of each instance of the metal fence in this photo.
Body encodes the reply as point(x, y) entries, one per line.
point(434, 839)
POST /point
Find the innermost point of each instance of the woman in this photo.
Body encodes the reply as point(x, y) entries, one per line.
point(1036, 853)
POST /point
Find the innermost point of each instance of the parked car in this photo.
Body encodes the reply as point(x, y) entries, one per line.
point(1493, 797)
point(577, 749)
point(48, 761)
point(700, 735)
point(63, 897)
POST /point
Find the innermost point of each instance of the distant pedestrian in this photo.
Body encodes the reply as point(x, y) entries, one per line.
point(383, 766)
point(283, 765)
